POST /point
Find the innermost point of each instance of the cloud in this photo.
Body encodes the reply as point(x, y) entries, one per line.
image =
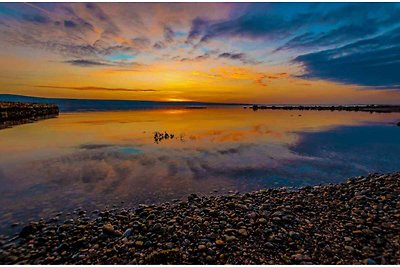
point(101, 63)
point(116, 49)
point(340, 35)
point(36, 18)
point(141, 42)
point(351, 22)
point(95, 146)
point(159, 45)
point(69, 24)
point(96, 88)
point(238, 56)
point(169, 34)
point(257, 21)
point(198, 27)
point(86, 63)
point(370, 62)
point(307, 25)
point(194, 59)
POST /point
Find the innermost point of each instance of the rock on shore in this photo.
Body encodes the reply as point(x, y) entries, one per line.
point(356, 222)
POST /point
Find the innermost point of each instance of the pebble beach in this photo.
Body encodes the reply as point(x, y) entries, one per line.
point(356, 222)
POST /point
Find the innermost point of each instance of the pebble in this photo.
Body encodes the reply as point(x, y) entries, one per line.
point(219, 242)
point(128, 232)
point(370, 261)
point(243, 232)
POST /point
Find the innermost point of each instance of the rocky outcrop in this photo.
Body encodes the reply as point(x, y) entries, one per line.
point(14, 113)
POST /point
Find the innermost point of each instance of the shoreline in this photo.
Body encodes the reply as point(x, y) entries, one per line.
point(354, 108)
point(355, 222)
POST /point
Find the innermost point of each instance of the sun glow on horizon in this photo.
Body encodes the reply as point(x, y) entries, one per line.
point(178, 100)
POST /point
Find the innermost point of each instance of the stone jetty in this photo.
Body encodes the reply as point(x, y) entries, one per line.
point(14, 113)
point(356, 222)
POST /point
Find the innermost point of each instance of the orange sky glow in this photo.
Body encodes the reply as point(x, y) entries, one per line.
point(159, 52)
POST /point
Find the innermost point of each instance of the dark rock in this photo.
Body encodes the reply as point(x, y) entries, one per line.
point(27, 231)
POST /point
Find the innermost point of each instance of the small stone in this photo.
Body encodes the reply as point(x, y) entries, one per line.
point(108, 228)
point(170, 245)
point(14, 224)
point(209, 259)
point(262, 220)
point(243, 232)
point(139, 243)
point(297, 257)
point(27, 231)
point(294, 235)
point(219, 242)
point(369, 261)
point(202, 247)
point(269, 245)
point(148, 244)
point(230, 238)
point(349, 248)
point(128, 232)
point(156, 227)
point(252, 215)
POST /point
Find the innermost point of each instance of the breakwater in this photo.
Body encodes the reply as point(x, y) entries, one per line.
point(14, 113)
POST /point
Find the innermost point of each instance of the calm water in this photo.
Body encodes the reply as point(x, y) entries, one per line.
point(98, 159)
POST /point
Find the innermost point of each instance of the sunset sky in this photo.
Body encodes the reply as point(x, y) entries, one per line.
point(215, 52)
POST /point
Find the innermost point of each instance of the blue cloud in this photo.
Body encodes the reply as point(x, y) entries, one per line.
point(370, 62)
point(36, 18)
point(120, 57)
point(350, 23)
point(301, 24)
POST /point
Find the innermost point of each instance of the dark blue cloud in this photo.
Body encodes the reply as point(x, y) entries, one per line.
point(197, 29)
point(69, 24)
point(86, 63)
point(305, 24)
point(370, 62)
point(354, 22)
point(36, 18)
point(341, 35)
point(259, 20)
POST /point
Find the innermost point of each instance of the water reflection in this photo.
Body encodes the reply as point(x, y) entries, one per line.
point(101, 158)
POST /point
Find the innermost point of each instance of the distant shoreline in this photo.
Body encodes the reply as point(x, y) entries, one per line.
point(354, 108)
point(355, 222)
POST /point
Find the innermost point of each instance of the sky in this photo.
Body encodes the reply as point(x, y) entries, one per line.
point(327, 53)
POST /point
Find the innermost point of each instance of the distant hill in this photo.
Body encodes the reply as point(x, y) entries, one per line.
point(69, 105)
